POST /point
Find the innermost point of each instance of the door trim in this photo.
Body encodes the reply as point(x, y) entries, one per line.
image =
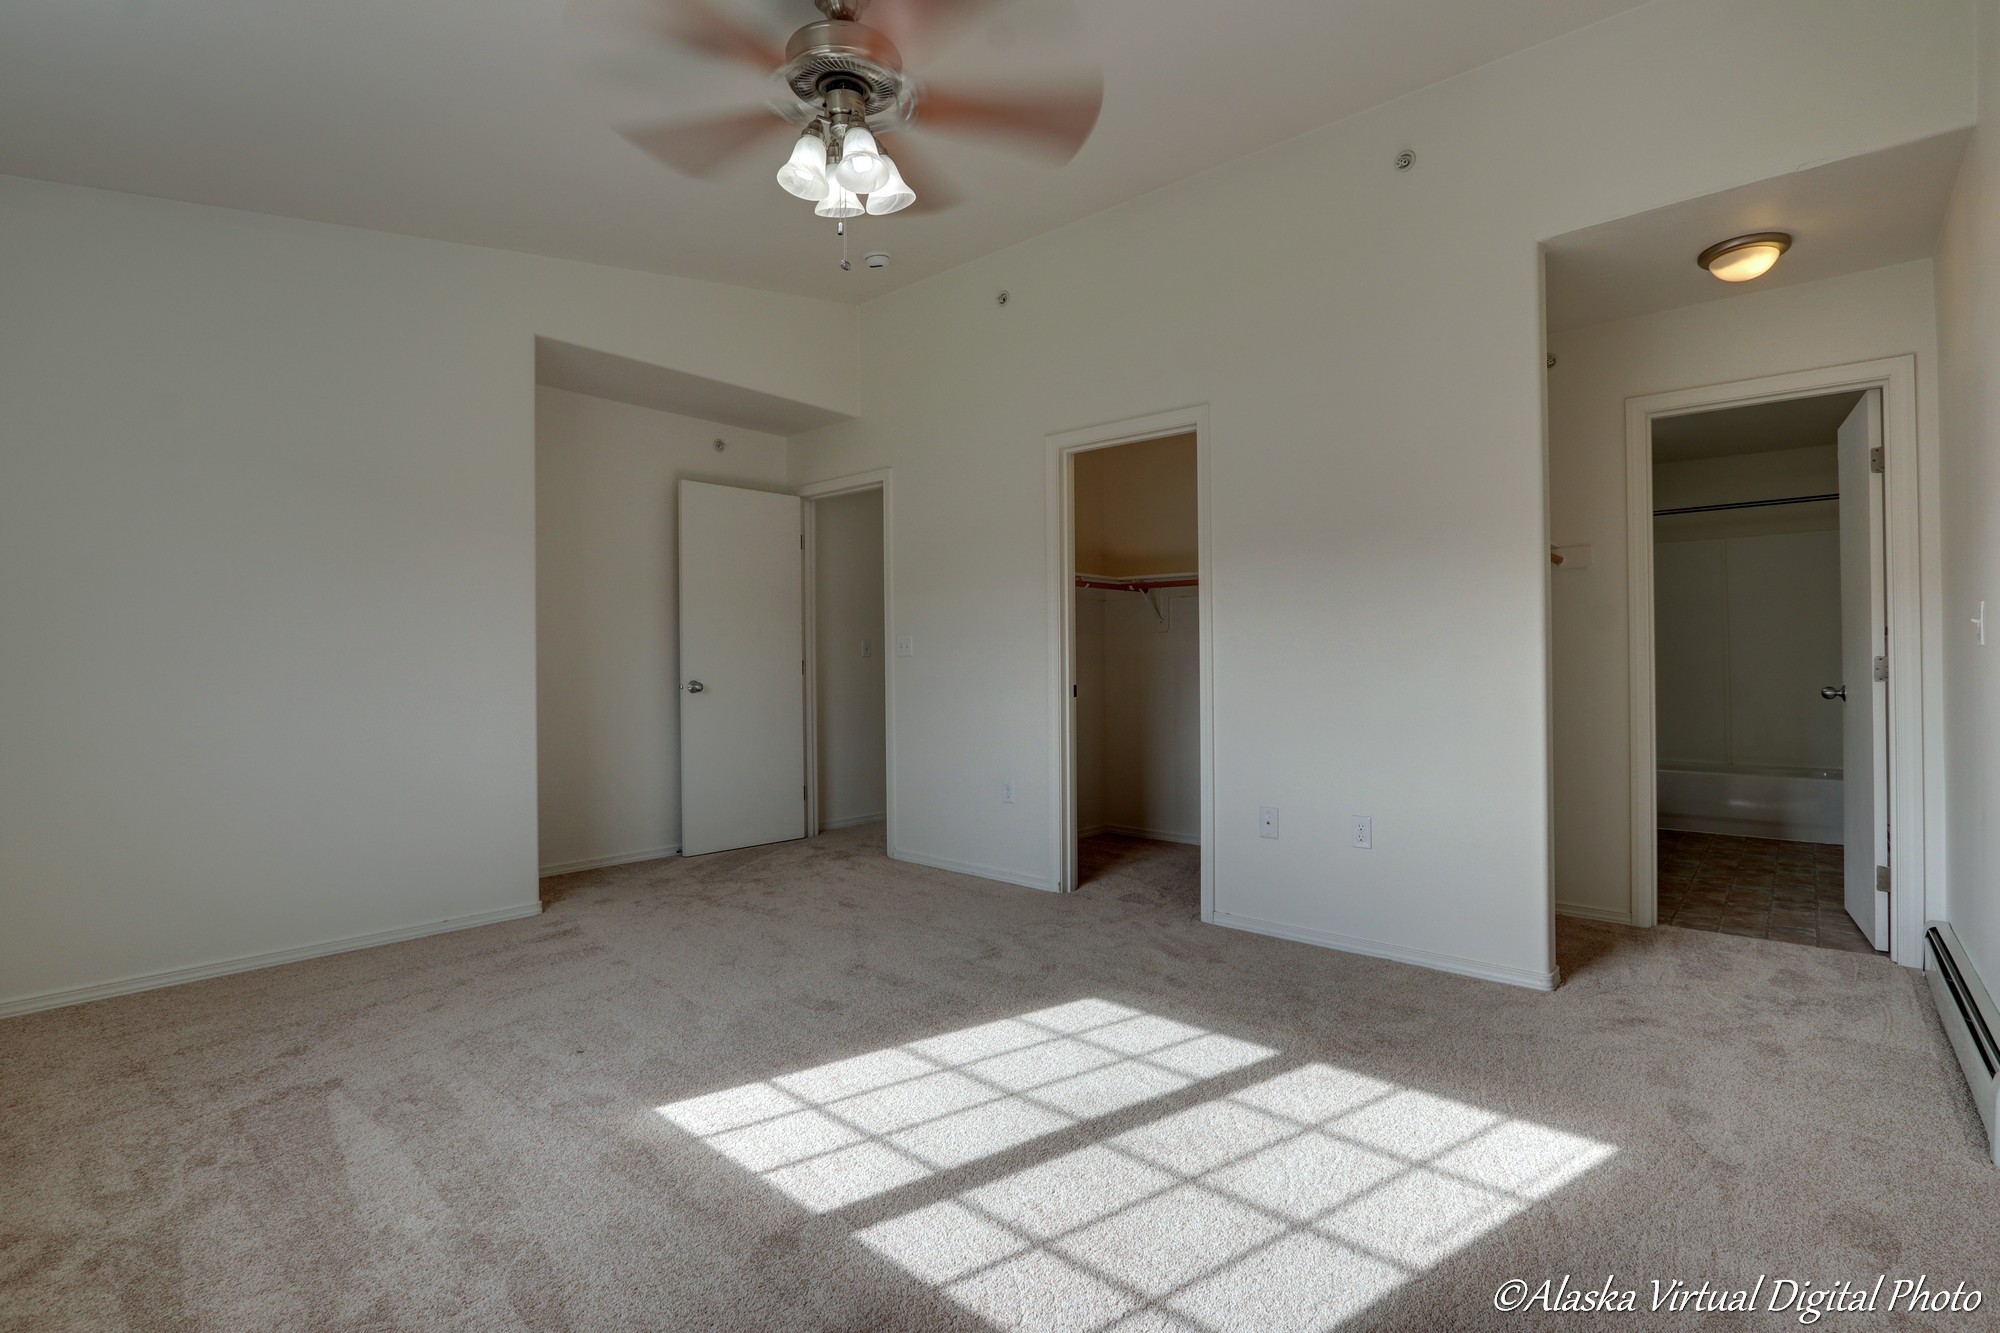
point(1062, 626)
point(1910, 537)
point(881, 480)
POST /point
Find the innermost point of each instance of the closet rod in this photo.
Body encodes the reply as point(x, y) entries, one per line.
point(1746, 504)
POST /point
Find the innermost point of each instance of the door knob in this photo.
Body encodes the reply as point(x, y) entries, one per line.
point(694, 687)
point(1833, 692)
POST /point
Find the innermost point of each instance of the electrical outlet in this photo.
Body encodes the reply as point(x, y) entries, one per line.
point(1267, 821)
point(905, 646)
point(1361, 831)
point(1007, 792)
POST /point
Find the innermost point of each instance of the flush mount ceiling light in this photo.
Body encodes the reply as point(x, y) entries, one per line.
point(840, 88)
point(1741, 258)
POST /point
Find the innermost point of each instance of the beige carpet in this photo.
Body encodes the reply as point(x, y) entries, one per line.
point(807, 1088)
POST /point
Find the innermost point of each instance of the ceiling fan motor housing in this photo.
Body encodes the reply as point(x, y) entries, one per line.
point(840, 53)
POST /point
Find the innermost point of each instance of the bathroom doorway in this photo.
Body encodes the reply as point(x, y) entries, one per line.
point(1766, 581)
point(1772, 560)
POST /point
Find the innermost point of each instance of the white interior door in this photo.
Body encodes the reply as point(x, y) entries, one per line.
point(1864, 639)
point(742, 668)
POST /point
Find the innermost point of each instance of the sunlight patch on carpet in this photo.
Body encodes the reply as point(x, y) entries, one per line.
point(1290, 1204)
point(839, 1133)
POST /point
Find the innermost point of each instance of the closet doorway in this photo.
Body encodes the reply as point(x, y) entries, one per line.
point(1134, 667)
point(848, 658)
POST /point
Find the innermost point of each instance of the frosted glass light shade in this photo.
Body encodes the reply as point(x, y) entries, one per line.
point(805, 173)
point(861, 166)
point(1745, 257)
point(892, 195)
point(839, 203)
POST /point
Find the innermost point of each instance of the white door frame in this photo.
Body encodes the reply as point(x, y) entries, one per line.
point(1910, 530)
point(1062, 626)
point(827, 490)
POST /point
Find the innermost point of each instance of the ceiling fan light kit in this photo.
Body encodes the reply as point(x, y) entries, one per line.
point(842, 84)
point(863, 169)
point(804, 174)
point(892, 195)
point(840, 203)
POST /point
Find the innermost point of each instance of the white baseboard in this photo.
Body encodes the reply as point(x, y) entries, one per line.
point(57, 999)
point(852, 821)
point(1621, 917)
point(1437, 962)
point(968, 868)
point(599, 862)
point(1148, 834)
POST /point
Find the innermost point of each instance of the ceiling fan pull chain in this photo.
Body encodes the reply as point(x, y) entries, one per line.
point(845, 266)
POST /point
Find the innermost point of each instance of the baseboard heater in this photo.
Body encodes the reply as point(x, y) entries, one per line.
point(1970, 1020)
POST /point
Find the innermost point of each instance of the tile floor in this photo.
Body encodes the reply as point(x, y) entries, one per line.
point(1755, 886)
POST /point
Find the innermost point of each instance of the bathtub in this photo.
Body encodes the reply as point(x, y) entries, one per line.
point(1795, 804)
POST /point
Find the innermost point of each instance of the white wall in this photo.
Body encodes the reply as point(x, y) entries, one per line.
point(267, 679)
point(607, 720)
point(1969, 338)
point(1368, 344)
point(849, 659)
point(1879, 313)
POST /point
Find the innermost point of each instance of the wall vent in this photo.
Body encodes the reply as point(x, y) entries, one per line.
point(1970, 1020)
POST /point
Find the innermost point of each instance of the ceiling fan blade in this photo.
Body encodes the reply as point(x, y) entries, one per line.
point(701, 147)
point(699, 24)
point(919, 26)
point(1055, 122)
point(933, 195)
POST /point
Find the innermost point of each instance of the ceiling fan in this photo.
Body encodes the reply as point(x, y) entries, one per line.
point(842, 89)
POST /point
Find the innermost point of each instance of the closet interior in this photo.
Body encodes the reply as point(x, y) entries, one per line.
point(1138, 664)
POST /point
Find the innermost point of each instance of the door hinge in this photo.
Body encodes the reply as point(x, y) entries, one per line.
point(1882, 878)
point(802, 536)
point(1875, 463)
point(1882, 668)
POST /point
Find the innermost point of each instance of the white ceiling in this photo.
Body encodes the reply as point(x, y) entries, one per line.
point(487, 121)
point(1794, 423)
point(1847, 216)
